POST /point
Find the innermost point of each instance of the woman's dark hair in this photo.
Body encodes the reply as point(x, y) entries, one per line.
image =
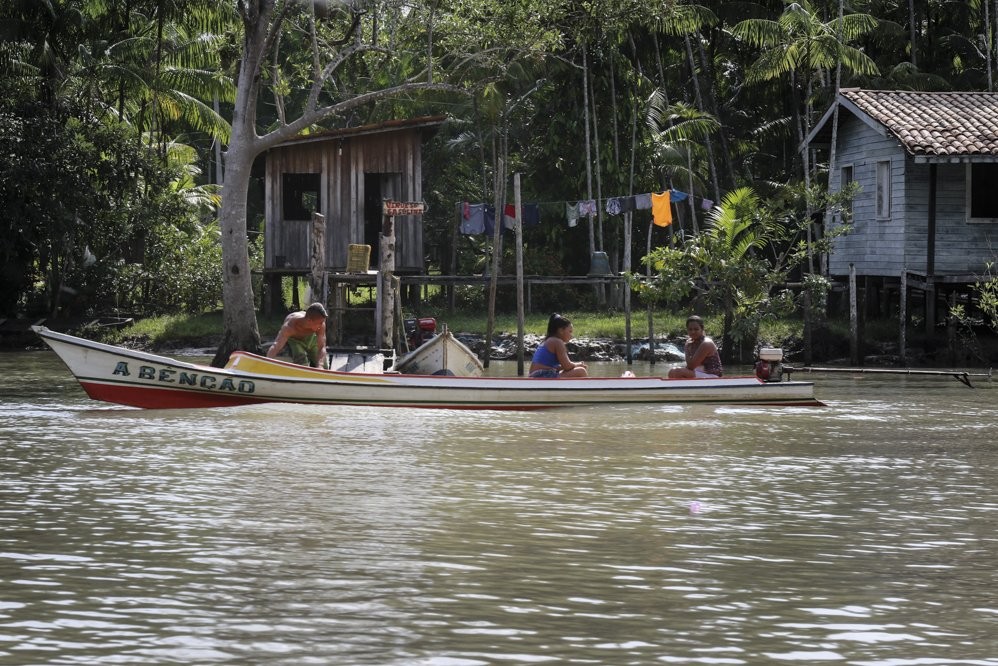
point(555, 324)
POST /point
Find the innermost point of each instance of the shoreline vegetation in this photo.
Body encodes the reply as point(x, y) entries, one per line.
point(599, 336)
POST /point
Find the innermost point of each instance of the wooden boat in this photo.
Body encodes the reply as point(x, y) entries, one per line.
point(139, 379)
point(442, 354)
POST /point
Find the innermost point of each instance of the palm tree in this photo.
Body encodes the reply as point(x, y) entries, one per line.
point(679, 130)
point(163, 75)
point(686, 21)
point(802, 46)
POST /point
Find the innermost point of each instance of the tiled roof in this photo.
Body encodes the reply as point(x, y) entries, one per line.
point(934, 123)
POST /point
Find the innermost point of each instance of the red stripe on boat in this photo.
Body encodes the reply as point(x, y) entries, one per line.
point(160, 398)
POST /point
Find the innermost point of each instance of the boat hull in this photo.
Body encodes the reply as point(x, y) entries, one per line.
point(442, 354)
point(138, 379)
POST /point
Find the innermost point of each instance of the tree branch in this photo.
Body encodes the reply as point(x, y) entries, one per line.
point(311, 117)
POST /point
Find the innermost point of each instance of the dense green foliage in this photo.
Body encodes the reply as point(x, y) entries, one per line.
point(103, 208)
point(585, 100)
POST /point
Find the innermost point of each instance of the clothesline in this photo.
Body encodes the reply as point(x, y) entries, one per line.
point(480, 218)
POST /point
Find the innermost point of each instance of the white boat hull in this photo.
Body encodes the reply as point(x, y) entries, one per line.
point(139, 379)
point(442, 354)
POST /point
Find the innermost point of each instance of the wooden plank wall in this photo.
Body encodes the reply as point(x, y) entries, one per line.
point(288, 238)
point(875, 246)
point(962, 247)
point(343, 164)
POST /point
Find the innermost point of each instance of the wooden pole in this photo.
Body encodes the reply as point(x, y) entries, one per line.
point(518, 230)
point(453, 258)
point(951, 328)
point(493, 279)
point(628, 229)
point(903, 315)
point(386, 290)
point(808, 341)
point(930, 256)
point(336, 316)
point(627, 288)
point(399, 329)
point(853, 318)
point(651, 315)
point(961, 375)
point(589, 162)
point(317, 259)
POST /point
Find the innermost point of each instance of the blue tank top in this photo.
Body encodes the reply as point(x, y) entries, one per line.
point(544, 356)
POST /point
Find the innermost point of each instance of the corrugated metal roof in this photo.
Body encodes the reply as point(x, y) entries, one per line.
point(373, 128)
point(933, 123)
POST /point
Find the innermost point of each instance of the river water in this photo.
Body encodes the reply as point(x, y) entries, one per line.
point(862, 533)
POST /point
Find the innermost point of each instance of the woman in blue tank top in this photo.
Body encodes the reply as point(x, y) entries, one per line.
point(551, 358)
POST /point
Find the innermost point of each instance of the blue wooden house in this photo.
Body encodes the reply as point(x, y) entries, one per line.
point(927, 167)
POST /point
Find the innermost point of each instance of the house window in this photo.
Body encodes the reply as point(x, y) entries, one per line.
point(884, 190)
point(845, 180)
point(983, 195)
point(301, 196)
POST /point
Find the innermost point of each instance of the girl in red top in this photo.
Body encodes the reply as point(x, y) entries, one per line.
point(702, 359)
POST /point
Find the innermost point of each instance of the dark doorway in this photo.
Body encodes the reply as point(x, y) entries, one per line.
point(377, 188)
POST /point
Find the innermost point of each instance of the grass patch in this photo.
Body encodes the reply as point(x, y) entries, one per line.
point(205, 329)
point(608, 324)
point(184, 329)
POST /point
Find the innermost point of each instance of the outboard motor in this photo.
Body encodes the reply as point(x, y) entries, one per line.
point(769, 367)
point(418, 331)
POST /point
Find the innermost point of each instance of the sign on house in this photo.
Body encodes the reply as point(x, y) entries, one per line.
point(395, 208)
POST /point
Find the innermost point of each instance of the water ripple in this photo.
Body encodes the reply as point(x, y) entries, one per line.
point(278, 534)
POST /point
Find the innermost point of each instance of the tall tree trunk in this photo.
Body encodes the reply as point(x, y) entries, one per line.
point(599, 167)
point(700, 107)
point(987, 42)
point(806, 160)
point(912, 32)
point(217, 146)
point(239, 326)
point(722, 135)
point(239, 313)
point(835, 127)
point(589, 161)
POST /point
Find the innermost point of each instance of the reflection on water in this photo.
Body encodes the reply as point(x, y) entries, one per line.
point(862, 533)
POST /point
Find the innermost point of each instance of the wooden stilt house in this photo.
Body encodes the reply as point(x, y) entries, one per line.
point(926, 213)
point(344, 174)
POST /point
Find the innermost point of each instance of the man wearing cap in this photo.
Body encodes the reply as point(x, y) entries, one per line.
point(304, 333)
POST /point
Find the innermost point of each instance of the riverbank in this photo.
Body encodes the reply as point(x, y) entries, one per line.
point(200, 335)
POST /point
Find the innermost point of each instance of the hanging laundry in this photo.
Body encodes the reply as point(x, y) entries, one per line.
point(642, 201)
point(587, 208)
point(572, 213)
point(661, 209)
point(706, 204)
point(531, 213)
point(473, 219)
point(490, 220)
point(618, 205)
point(509, 217)
point(676, 195)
